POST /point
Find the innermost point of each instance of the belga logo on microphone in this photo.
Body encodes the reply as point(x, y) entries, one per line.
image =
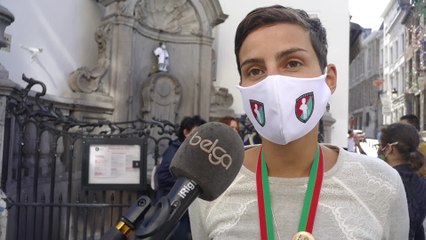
point(217, 155)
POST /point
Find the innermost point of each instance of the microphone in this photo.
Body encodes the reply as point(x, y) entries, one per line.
point(205, 165)
point(212, 157)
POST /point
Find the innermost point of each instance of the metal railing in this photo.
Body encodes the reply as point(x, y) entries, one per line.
point(42, 168)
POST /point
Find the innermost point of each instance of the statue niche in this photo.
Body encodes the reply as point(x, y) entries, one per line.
point(160, 97)
point(124, 72)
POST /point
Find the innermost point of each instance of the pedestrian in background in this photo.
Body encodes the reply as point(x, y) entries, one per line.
point(399, 148)
point(165, 178)
point(232, 122)
point(351, 147)
point(354, 143)
point(413, 120)
point(358, 146)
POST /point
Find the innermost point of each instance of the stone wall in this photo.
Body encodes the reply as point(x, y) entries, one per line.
point(127, 68)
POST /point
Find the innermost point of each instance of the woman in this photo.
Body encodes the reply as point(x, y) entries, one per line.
point(290, 186)
point(399, 148)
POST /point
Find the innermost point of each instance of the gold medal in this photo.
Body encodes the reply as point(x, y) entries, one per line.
point(303, 236)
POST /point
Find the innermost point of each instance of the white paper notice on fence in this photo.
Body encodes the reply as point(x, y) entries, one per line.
point(113, 164)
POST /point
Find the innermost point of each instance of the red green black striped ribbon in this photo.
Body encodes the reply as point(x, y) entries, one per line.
point(310, 204)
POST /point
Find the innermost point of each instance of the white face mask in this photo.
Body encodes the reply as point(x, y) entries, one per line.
point(283, 109)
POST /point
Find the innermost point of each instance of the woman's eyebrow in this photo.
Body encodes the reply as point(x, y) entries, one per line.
point(278, 56)
point(252, 60)
point(287, 52)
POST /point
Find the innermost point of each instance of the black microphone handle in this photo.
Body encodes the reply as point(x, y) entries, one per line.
point(114, 234)
point(183, 193)
point(130, 220)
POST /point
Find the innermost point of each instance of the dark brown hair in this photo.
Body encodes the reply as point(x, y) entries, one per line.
point(227, 120)
point(408, 143)
point(264, 16)
point(187, 124)
point(411, 119)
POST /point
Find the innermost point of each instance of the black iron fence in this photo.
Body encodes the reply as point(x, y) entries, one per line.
point(43, 171)
point(42, 168)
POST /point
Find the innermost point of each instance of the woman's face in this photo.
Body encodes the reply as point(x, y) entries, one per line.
point(234, 125)
point(186, 132)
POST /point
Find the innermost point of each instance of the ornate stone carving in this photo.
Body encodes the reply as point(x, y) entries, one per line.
point(4, 74)
point(222, 97)
point(108, 2)
point(220, 103)
point(88, 80)
point(126, 8)
point(177, 16)
point(160, 96)
point(6, 18)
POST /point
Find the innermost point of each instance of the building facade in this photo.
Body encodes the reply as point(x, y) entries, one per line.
point(393, 63)
point(415, 47)
point(400, 82)
point(365, 84)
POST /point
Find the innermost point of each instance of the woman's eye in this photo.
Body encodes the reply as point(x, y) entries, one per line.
point(293, 64)
point(254, 72)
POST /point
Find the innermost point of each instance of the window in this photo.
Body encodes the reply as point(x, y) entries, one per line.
point(396, 46)
point(370, 60)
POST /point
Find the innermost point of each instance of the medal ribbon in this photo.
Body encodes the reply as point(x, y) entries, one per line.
point(310, 203)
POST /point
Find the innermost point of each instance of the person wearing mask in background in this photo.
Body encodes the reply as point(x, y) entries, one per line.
point(413, 120)
point(165, 178)
point(290, 186)
point(399, 148)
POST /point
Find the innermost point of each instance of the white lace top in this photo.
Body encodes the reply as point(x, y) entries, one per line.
point(361, 198)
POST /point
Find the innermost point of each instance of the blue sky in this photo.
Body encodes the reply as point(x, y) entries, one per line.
point(367, 12)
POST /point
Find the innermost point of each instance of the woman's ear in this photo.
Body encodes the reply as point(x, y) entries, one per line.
point(388, 150)
point(331, 77)
point(186, 132)
point(391, 149)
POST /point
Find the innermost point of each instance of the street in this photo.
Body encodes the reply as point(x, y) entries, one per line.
point(370, 147)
